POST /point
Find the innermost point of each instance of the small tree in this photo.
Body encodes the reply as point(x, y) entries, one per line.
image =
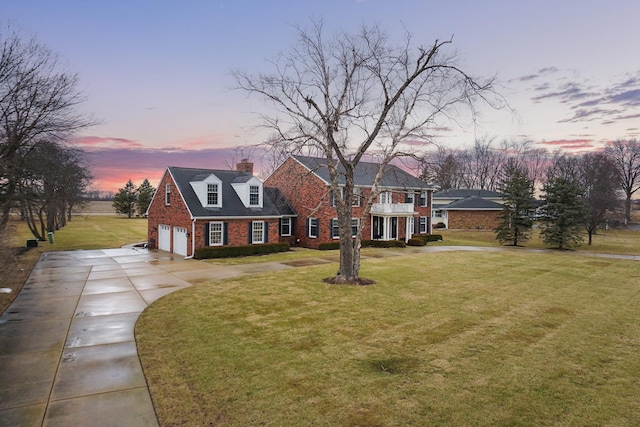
point(598, 176)
point(125, 200)
point(145, 194)
point(516, 216)
point(563, 213)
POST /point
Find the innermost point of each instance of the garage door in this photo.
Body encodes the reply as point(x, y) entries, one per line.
point(180, 241)
point(164, 237)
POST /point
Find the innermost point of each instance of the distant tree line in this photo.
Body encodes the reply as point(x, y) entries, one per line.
point(130, 198)
point(578, 191)
point(41, 176)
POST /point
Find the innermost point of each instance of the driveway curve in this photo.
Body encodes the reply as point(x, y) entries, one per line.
point(67, 349)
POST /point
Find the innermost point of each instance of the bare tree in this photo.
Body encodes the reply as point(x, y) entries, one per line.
point(598, 178)
point(443, 168)
point(38, 101)
point(626, 156)
point(354, 95)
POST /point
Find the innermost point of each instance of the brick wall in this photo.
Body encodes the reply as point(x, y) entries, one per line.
point(487, 220)
point(309, 197)
point(175, 214)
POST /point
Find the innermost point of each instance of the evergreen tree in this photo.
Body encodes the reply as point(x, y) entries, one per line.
point(145, 194)
point(125, 200)
point(516, 216)
point(563, 214)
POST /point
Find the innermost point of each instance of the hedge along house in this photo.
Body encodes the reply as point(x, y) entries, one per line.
point(402, 206)
point(193, 208)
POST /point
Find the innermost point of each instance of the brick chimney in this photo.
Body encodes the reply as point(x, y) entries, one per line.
point(245, 166)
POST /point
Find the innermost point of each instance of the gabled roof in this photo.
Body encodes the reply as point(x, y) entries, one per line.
point(458, 193)
point(473, 203)
point(274, 203)
point(364, 174)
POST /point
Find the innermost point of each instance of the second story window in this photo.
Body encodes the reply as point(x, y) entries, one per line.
point(254, 195)
point(167, 194)
point(385, 197)
point(423, 199)
point(410, 197)
point(212, 194)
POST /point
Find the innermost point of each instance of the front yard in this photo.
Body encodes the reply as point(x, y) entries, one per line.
point(455, 338)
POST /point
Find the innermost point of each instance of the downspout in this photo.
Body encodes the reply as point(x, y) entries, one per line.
point(193, 239)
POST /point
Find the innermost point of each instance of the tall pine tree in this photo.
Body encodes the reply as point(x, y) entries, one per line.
point(125, 200)
point(563, 214)
point(516, 218)
point(145, 194)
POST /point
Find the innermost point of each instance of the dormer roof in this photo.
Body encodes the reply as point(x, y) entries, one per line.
point(274, 204)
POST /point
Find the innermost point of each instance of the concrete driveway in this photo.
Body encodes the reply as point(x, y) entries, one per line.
point(67, 349)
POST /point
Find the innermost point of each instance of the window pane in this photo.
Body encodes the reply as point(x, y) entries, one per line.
point(212, 194)
point(258, 227)
point(254, 195)
point(313, 227)
point(285, 228)
point(215, 233)
point(354, 226)
point(335, 230)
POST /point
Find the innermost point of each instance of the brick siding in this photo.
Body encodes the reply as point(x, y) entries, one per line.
point(486, 220)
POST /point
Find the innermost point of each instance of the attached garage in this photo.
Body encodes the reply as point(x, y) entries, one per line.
point(180, 241)
point(164, 238)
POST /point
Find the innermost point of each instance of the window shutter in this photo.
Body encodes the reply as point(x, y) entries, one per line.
point(332, 201)
point(331, 229)
point(318, 227)
point(225, 233)
point(307, 227)
point(250, 233)
point(266, 232)
point(280, 226)
point(206, 234)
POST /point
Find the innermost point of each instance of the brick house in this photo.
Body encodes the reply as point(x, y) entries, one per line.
point(466, 209)
point(193, 208)
point(403, 205)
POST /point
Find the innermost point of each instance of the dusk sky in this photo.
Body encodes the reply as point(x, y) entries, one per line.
point(157, 73)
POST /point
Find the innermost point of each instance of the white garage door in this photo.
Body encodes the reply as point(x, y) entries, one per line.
point(180, 241)
point(164, 237)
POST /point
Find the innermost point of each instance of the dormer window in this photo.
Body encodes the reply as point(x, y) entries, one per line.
point(212, 194)
point(208, 188)
point(254, 195)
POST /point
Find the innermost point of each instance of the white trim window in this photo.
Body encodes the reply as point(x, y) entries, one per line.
point(313, 228)
point(335, 230)
point(357, 197)
point(213, 194)
point(254, 195)
point(167, 194)
point(216, 233)
point(410, 197)
point(285, 227)
point(385, 197)
point(422, 227)
point(424, 200)
point(257, 232)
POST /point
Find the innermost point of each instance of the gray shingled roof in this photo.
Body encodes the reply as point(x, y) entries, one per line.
point(364, 174)
point(473, 203)
point(457, 193)
point(274, 203)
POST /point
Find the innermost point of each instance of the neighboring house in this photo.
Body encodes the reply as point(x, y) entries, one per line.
point(466, 209)
point(402, 208)
point(193, 208)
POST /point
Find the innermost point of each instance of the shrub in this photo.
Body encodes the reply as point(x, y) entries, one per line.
point(428, 237)
point(208, 252)
point(440, 225)
point(417, 241)
point(383, 244)
point(329, 246)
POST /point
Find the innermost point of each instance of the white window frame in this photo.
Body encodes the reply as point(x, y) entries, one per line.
point(282, 224)
point(255, 194)
point(212, 230)
point(385, 197)
point(423, 221)
point(311, 226)
point(257, 232)
point(215, 193)
point(335, 229)
point(411, 197)
point(426, 199)
point(355, 222)
point(437, 213)
point(167, 194)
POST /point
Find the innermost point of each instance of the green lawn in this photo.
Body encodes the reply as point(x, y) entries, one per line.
point(456, 338)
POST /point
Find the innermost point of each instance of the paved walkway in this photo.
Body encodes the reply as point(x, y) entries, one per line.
point(67, 349)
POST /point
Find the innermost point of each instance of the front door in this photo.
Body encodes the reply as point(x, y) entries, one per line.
point(378, 228)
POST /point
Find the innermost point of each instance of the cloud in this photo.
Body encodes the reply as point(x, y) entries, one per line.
point(569, 144)
point(90, 142)
point(112, 167)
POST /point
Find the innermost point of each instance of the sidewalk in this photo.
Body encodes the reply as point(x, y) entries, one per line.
point(67, 349)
